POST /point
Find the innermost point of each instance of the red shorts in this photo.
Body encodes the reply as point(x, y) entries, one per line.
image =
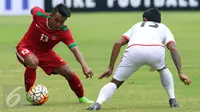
point(48, 61)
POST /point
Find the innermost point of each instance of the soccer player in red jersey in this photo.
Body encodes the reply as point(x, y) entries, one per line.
point(35, 49)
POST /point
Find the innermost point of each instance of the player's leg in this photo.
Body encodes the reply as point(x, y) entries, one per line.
point(56, 65)
point(127, 67)
point(30, 61)
point(166, 79)
point(105, 93)
point(157, 61)
point(74, 82)
point(27, 58)
point(168, 83)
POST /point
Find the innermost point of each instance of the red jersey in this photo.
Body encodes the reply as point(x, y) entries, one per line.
point(40, 38)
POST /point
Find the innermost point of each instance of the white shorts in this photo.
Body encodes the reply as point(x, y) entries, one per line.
point(137, 56)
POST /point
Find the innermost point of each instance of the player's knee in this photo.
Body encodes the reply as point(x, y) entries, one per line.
point(69, 72)
point(159, 70)
point(33, 63)
point(66, 72)
point(117, 82)
point(68, 75)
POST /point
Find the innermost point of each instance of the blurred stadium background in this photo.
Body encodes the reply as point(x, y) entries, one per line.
point(96, 25)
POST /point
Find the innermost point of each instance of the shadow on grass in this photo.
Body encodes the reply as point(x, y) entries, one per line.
point(54, 104)
point(61, 104)
point(132, 107)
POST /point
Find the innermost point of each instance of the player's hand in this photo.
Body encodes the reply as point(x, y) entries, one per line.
point(107, 73)
point(185, 79)
point(87, 72)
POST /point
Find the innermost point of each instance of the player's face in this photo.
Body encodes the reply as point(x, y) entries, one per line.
point(56, 21)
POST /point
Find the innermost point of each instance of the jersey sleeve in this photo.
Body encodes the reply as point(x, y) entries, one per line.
point(168, 37)
point(35, 10)
point(127, 35)
point(68, 39)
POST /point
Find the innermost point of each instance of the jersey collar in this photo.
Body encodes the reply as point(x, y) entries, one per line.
point(47, 23)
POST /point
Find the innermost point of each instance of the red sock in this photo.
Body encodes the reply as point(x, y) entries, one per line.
point(29, 77)
point(76, 85)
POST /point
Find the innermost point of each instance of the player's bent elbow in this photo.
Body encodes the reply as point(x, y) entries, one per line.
point(118, 43)
point(171, 45)
point(34, 9)
point(173, 49)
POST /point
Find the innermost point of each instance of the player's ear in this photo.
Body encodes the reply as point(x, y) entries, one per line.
point(145, 19)
point(50, 14)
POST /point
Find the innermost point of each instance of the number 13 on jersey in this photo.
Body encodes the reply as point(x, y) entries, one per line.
point(44, 38)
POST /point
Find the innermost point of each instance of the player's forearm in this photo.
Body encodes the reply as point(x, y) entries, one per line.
point(114, 55)
point(177, 61)
point(79, 57)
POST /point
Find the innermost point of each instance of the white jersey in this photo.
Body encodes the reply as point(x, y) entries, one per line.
point(149, 34)
point(141, 36)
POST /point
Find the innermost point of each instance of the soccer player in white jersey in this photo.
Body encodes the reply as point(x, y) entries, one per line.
point(146, 42)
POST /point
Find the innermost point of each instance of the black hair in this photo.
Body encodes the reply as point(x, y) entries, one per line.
point(152, 14)
point(62, 9)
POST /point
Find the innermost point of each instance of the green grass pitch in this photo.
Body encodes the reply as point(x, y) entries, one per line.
point(95, 34)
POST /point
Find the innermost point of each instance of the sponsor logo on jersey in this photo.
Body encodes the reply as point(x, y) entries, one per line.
point(37, 25)
point(53, 37)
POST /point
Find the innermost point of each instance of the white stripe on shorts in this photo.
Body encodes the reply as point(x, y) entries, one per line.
point(20, 56)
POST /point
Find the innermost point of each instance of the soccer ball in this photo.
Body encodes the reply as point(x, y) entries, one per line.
point(38, 94)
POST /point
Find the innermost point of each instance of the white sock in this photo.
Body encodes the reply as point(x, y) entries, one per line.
point(167, 82)
point(106, 92)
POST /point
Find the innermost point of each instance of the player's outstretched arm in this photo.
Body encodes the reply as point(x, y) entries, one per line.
point(86, 70)
point(177, 61)
point(115, 52)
